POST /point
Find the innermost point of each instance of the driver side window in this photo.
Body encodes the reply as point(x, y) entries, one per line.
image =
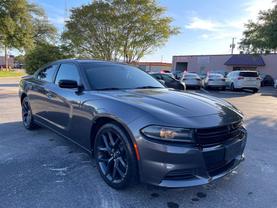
point(47, 74)
point(68, 72)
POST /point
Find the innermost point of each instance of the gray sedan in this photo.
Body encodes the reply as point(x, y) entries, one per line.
point(137, 129)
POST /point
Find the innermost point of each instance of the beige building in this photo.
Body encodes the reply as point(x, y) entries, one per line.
point(266, 64)
point(154, 66)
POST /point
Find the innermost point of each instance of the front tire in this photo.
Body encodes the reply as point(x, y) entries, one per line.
point(27, 116)
point(115, 156)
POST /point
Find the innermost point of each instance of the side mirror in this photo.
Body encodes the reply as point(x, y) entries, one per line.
point(70, 84)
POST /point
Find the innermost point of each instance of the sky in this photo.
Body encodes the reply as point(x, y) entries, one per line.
point(206, 26)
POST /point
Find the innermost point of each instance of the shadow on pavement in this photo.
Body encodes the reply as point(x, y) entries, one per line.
point(49, 171)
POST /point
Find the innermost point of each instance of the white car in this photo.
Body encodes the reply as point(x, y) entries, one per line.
point(215, 80)
point(243, 80)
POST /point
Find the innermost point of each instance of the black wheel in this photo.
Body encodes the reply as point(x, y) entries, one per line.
point(255, 90)
point(27, 116)
point(115, 157)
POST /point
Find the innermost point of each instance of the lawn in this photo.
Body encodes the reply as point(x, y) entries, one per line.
point(12, 73)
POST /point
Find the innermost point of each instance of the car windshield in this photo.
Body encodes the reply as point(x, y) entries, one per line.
point(109, 76)
point(216, 76)
point(248, 74)
point(193, 76)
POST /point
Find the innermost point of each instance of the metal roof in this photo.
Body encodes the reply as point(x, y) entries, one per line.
point(245, 60)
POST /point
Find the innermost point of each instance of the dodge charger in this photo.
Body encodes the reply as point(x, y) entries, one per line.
point(136, 129)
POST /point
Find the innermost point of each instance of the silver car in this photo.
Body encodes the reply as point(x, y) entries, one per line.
point(215, 80)
point(192, 80)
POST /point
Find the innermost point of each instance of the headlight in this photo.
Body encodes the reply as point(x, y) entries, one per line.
point(168, 133)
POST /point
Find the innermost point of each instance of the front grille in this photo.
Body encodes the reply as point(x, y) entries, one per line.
point(220, 168)
point(180, 175)
point(216, 135)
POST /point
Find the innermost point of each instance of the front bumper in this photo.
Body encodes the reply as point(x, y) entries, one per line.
point(176, 166)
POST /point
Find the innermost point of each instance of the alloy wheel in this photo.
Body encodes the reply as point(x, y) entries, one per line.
point(26, 113)
point(111, 156)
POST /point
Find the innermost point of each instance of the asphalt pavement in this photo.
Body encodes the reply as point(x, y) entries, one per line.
point(41, 169)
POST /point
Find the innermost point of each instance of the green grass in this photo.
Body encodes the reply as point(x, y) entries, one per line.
point(12, 73)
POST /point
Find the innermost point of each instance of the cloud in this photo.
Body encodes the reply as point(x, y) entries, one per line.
point(202, 24)
point(253, 7)
point(229, 27)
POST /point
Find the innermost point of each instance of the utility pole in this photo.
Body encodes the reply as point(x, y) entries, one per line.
point(6, 58)
point(232, 46)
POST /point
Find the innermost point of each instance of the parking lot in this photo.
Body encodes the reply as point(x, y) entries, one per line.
point(41, 169)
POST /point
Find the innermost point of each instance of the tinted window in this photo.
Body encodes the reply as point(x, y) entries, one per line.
point(191, 76)
point(156, 76)
point(68, 72)
point(215, 76)
point(248, 74)
point(47, 74)
point(167, 78)
point(118, 76)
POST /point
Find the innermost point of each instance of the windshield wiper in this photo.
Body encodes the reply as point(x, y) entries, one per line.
point(147, 87)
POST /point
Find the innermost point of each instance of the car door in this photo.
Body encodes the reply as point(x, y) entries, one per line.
point(37, 93)
point(61, 101)
point(67, 115)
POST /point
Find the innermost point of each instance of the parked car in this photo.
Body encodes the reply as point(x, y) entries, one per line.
point(169, 81)
point(192, 80)
point(267, 80)
point(275, 84)
point(215, 80)
point(137, 129)
point(178, 74)
point(243, 80)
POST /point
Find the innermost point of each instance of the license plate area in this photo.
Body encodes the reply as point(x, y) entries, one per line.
point(232, 151)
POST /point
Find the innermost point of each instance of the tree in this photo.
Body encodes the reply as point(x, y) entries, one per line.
point(261, 36)
point(41, 55)
point(16, 27)
point(118, 29)
point(22, 25)
point(43, 30)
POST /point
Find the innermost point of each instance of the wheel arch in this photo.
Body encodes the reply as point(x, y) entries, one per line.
point(23, 95)
point(102, 120)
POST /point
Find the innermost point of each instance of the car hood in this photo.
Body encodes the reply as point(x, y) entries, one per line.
point(177, 103)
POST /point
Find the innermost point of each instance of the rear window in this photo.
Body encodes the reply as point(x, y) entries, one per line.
point(216, 76)
point(191, 76)
point(248, 74)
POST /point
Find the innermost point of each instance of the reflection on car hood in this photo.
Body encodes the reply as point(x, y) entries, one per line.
point(175, 102)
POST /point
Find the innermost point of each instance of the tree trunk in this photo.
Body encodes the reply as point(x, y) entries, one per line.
point(6, 58)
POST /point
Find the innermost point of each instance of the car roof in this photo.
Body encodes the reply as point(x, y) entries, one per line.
point(87, 61)
point(215, 74)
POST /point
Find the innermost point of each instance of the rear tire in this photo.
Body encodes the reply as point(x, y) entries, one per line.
point(27, 116)
point(232, 87)
point(115, 156)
